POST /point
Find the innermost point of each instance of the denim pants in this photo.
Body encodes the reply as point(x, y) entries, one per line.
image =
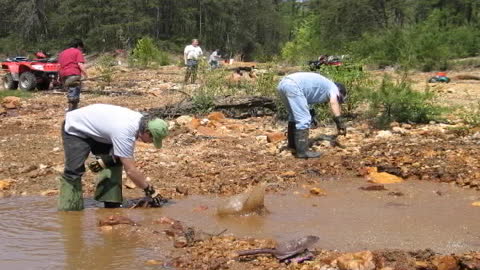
point(192, 66)
point(296, 103)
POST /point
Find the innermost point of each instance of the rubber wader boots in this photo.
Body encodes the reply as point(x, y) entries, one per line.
point(291, 135)
point(109, 187)
point(71, 195)
point(301, 144)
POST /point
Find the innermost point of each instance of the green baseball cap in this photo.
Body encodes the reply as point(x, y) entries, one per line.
point(159, 130)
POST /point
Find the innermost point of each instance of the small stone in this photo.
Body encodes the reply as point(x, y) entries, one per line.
point(446, 263)
point(261, 138)
point(318, 191)
point(476, 203)
point(28, 169)
point(11, 102)
point(181, 190)
point(216, 116)
point(183, 120)
point(356, 261)
point(106, 228)
point(6, 184)
point(129, 184)
point(275, 137)
point(288, 174)
point(399, 130)
point(115, 220)
point(152, 262)
point(50, 192)
point(382, 134)
point(194, 124)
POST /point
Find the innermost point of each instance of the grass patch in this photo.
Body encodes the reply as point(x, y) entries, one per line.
point(15, 93)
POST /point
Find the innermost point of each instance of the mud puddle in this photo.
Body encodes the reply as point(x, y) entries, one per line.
point(429, 215)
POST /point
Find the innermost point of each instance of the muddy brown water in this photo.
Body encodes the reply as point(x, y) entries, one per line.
point(33, 235)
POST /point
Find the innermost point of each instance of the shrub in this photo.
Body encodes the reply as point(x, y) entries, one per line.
point(471, 115)
point(397, 101)
point(105, 66)
point(147, 54)
point(355, 80)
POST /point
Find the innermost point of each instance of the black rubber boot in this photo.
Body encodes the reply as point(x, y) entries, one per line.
point(291, 135)
point(301, 144)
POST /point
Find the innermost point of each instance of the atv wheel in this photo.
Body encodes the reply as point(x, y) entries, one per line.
point(28, 81)
point(44, 84)
point(9, 83)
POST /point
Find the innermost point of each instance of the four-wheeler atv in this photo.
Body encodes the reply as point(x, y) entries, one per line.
point(30, 74)
point(328, 60)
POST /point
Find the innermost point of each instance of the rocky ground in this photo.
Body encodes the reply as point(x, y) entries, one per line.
point(211, 154)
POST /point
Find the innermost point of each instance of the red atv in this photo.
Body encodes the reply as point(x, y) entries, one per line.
point(30, 74)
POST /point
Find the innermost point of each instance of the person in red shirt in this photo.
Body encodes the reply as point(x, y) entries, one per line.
point(72, 67)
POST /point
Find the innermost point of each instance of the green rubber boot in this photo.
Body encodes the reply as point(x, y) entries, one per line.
point(71, 195)
point(109, 186)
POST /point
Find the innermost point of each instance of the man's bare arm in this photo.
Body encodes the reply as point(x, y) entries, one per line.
point(134, 173)
point(83, 70)
point(335, 107)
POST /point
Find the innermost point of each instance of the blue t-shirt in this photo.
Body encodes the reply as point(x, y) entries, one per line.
point(315, 87)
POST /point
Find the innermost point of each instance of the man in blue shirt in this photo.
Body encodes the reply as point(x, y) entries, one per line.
point(298, 91)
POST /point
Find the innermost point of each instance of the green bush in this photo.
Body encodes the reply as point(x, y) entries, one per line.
point(428, 45)
point(397, 101)
point(106, 65)
point(471, 115)
point(355, 80)
point(146, 54)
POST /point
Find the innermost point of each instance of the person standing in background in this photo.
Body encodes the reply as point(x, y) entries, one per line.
point(191, 55)
point(72, 67)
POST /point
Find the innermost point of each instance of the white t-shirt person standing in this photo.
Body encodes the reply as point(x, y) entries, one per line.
point(191, 54)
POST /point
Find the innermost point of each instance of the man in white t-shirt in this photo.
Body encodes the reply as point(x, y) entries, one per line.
point(109, 132)
point(191, 55)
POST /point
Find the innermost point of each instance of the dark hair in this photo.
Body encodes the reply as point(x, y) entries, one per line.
point(76, 43)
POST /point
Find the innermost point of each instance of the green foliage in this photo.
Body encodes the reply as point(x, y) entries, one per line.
point(146, 54)
point(15, 93)
point(106, 64)
point(471, 115)
point(357, 82)
point(397, 101)
point(217, 83)
point(428, 45)
point(305, 45)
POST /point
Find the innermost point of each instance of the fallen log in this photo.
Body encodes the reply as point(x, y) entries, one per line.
point(237, 107)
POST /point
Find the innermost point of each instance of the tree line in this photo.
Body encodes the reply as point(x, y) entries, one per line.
point(255, 29)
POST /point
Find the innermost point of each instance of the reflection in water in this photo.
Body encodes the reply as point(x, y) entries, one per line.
point(86, 247)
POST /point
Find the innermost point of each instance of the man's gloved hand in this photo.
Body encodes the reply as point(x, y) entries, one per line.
point(157, 199)
point(342, 130)
point(103, 162)
point(97, 165)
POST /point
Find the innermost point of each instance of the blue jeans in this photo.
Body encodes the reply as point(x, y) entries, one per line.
point(192, 66)
point(296, 103)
